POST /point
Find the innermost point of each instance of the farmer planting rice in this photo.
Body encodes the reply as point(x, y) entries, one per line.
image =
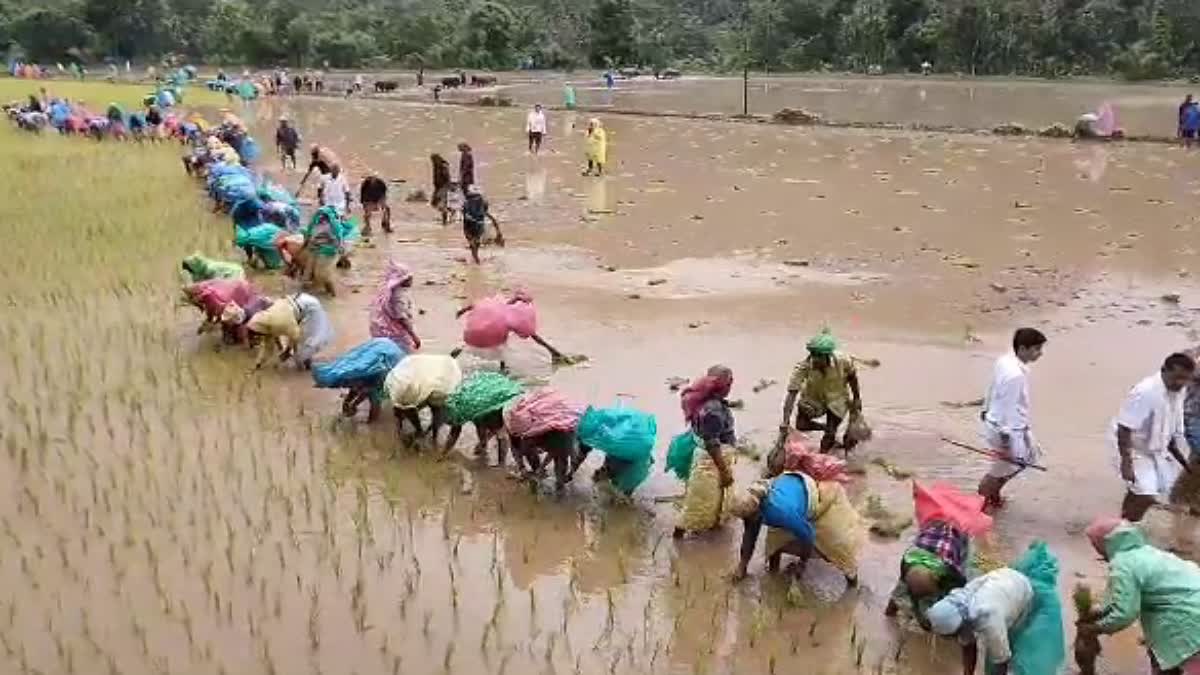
point(419, 382)
point(212, 296)
point(361, 372)
point(488, 323)
point(325, 243)
point(295, 327)
point(1152, 586)
point(806, 511)
point(1013, 612)
point(707, 473)
point(200, 268)
point(235, 318)
point(480, 400)
point(391, 313)
point(541, 423)
point(824, 385)
point(937, 560)
point(626, 436)
point(322, 160)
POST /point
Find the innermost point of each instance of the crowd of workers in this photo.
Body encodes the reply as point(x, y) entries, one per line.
point(1013, 612)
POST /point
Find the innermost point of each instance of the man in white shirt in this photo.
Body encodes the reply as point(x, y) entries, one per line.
point(535, 126)
point(1005, 416)
point(1149, 435)
point(334, 190)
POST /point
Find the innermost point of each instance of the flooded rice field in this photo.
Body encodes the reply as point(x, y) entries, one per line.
point(971, 103)
point(171, 512)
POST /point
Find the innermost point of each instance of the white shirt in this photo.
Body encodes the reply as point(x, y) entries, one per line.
point(1006, 405)
point(333, 192)
point(1154, 415)
point(535, 122)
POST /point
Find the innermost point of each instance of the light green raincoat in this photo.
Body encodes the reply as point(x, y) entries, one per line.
point(202, 269)
point(1161, 588)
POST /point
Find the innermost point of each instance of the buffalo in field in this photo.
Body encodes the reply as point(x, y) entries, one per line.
point(451, 82)
point(483, 80)
point(383, 86)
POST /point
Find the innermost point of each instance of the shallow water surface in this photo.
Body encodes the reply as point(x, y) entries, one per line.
point(172, 512)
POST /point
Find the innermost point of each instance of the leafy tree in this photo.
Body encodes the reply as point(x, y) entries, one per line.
point(129, 28)
point(612, 26)
point(488, 35)
point(50, 33)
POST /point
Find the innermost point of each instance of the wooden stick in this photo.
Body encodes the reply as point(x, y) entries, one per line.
point(993, 455)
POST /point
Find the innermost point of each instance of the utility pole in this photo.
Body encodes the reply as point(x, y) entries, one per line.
point(746, 59)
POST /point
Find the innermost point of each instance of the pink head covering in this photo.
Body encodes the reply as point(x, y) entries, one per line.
point(1099, 530)
point(716, 384)
point(799, 456)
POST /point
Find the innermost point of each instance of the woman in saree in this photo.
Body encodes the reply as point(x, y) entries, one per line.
point(710, 420)
point(391, 310)
point(806, 511)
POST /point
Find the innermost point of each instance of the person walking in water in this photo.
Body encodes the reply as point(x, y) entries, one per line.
point(1188, 101)
point(1005, 415)
point(1150, 436)
point(287, 140)
point(475, 213)
point(466, 168)
point(597, 148)
point(535, 127)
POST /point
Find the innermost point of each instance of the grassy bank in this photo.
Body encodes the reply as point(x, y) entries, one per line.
point(97, 93)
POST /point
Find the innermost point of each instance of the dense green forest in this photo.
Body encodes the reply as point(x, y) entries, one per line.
point(1137, 39)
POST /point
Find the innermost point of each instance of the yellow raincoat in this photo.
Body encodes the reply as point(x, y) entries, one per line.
point(279, 326)
point(422, 379)
point(597, 145)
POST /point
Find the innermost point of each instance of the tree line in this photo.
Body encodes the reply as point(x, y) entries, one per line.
point(1137, 39)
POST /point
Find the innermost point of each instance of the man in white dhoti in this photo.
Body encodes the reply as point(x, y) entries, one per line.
point(1149, 436)
point(1005, 416)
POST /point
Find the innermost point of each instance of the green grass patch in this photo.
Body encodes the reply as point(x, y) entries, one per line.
point(97, 94)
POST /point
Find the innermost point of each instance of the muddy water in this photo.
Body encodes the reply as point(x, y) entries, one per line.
point(189, 518)
point(970, 103)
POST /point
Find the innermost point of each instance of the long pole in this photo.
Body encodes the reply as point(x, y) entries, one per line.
point(745, 90)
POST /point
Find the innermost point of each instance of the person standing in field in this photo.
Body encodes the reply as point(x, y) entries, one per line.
point(1005, 416)
point(1190, 124)
point(1187, 102)
point(597, 148)
point(440, 199)
point(392, 309)
point(372, 193)
point(1150, 436)
point(466, 168)
point(334, 191)
point(287, 140)
point(535, 127)
point(1187, 489)
point(824, 385)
